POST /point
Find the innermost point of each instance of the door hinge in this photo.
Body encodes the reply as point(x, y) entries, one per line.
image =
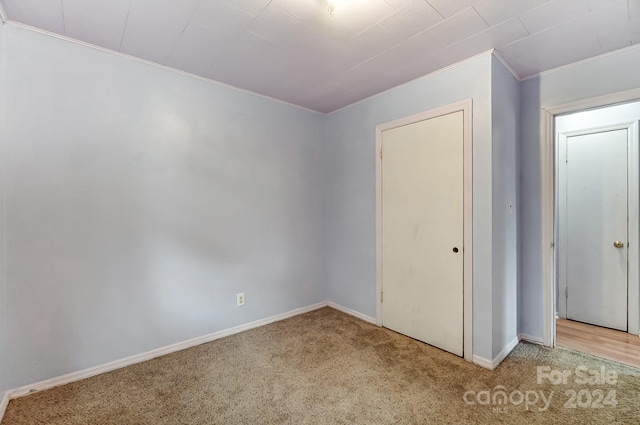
point(380, 153)
point(381, 296)
point(566, 292)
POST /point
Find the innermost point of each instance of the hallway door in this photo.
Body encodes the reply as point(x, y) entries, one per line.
point(594, 216)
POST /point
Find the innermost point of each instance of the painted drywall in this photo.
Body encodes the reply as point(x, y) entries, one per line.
point(607, 74)
point(600, 117)
point(3, 297)
point(505, 108)
point(139, 201)
point(350, 187)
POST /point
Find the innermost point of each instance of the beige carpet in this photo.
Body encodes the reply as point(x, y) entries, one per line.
point(326, 367)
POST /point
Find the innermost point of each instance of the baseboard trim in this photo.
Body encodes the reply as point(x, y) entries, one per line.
point(495, 362)
point(505, 352)
point(138, 358)
point(482, 362)
point(532, 339)
point(3, 404)
point(351, 312)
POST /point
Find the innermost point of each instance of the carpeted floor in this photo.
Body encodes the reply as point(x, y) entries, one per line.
point(326, 367)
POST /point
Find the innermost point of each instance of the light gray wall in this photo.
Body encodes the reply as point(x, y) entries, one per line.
point(505, 108)
point(350, 186)
point(607, 74)
point(3, 296)
point(139, 201)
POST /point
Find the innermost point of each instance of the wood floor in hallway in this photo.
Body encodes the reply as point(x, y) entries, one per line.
point(603, 342)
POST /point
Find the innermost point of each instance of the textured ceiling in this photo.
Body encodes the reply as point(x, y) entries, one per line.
point(294, 51)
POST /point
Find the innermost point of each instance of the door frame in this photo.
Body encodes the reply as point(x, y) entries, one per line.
point(632, 213)
point(466, 107)
point(548, 177)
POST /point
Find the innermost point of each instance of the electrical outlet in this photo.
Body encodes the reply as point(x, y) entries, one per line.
point(240, 299)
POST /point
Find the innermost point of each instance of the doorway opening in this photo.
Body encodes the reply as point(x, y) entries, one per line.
point(596, 233)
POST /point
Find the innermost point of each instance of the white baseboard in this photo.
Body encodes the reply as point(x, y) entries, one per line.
point(482, 362)
point(3, 404)
point(351, 312)
point(495, 362)
point(505, 352)
point(532, 339)
point(117, 364)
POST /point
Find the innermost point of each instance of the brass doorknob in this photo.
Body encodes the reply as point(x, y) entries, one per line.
point(618, 244)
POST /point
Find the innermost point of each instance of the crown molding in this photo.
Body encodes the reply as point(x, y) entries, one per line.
point(155, 64)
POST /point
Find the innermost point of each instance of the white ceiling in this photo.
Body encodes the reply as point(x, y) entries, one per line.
point(294, 51)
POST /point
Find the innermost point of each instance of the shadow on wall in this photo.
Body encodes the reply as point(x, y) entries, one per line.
point(530, 291)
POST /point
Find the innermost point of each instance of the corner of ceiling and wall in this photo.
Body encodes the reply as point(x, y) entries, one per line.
point(343, 217)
